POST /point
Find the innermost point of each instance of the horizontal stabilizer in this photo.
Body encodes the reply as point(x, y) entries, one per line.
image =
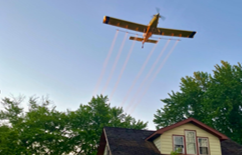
point(141, 39)
point(137, 39)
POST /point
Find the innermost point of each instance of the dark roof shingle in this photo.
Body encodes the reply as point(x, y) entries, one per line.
point(130, 141)
point(230, 147)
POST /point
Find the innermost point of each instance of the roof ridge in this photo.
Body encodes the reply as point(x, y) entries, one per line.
point(129, 128)
point(189, 120)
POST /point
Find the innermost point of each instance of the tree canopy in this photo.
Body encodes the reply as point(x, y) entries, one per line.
point(214, 99)
point(44, 130)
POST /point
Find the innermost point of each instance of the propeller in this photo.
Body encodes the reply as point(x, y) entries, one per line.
point(162, 17)
point(158, 11)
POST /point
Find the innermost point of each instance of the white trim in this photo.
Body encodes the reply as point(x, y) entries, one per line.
point(107, 143)
point(195, 142)
point(183, 149)
point(198, 144)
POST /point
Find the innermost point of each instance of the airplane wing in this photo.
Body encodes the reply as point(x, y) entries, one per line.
point(174, 32)
point(124, 24)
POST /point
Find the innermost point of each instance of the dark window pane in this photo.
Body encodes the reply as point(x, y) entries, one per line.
point(203, 150)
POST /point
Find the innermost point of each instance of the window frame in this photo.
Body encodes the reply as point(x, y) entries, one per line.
point(199, 146)
point(184, 143)
point(196, 142)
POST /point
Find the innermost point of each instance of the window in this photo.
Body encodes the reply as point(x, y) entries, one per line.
point(191, 142)
point(203, 146)
point(178, 142)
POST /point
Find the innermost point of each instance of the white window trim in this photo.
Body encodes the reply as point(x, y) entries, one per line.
point(199, 145)
point(173, 138)
point(195, 139)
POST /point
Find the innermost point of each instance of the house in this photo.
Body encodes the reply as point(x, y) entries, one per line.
point(191, 136)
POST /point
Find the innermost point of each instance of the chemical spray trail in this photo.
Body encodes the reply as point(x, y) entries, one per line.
point(141, 70)
point(147, 76)
point(123, 68)
point(158, 70)
point(105, 63)
point(115, 63)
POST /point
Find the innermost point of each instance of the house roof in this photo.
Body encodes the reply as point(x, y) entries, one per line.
point(230, 147)
point(124, 141)
point(189, 120)
point(102, 144)
point(128, 141)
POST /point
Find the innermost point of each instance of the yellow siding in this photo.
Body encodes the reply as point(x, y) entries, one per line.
point(164, 142)
point(157, 143)
point(105, 151)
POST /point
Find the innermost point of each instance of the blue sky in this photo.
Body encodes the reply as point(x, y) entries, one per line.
point(57, 48)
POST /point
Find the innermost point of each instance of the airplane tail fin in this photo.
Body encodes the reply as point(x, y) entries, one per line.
point(141, 39)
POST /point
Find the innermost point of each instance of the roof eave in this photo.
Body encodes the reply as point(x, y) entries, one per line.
point(189, 120)
point(102, 144)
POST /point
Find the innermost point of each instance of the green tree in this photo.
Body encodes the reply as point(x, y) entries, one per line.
point(215, 100)
point(176, 152)
point(40, 130)
point(89, 120)
point(44, 130)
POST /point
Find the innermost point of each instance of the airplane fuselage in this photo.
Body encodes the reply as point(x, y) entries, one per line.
point(148, 30)
point(151, 27)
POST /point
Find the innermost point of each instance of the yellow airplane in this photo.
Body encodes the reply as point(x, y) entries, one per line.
point(148, 30)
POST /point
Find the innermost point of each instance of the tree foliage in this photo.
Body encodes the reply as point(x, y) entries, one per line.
point(215, 100)
point(44, 130)
point(176, 152)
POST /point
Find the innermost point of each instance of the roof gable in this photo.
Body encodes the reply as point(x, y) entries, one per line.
point(189, 120)
point(102, 144)
point(127, 141)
